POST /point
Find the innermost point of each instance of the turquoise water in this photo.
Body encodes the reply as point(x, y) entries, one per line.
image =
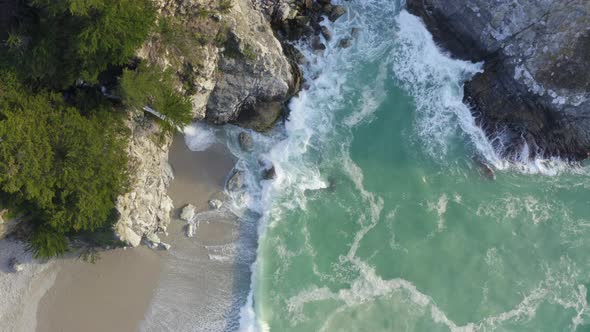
point(380, 219)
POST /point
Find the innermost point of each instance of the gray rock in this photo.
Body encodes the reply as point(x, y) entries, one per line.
point(153, 238)
point(215, 204)
point(337, 12)
point(146, 208)
point(190, 230)
point(355, 33)
point(253, 71)
point(165, 246)
point(236, 181)
point(536, 80)
point(188, 212)
point(246, 142)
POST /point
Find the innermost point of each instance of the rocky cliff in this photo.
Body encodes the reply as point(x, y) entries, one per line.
point(233, 68)
point(535, 86)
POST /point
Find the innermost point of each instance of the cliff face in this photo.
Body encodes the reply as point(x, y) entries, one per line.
point(536, 81)
point(234, 69)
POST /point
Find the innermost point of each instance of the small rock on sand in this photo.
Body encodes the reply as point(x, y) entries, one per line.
point(190, 230)
point(188, 212)
point(215, 204)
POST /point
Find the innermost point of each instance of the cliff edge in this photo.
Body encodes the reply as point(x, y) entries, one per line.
point(535, 87)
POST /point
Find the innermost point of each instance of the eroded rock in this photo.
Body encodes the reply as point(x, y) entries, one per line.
point(188, 212)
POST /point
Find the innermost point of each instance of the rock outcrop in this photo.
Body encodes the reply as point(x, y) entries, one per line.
point(535, 87)
point(234, 69)
point(146, 208)
point(255, 79)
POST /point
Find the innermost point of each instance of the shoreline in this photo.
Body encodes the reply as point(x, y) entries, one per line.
point(144, 289)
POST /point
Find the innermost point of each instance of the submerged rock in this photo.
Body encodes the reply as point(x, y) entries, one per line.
point(270, 173)
point(326, 33)
point(535, 84)
point(215, 204)
point(246, 142)
point(236, 181)
point(188, 212)
point(345, 43)
point(337, 12)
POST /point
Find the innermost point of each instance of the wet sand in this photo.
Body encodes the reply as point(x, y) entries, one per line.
point(198, 279)
point(189, 288)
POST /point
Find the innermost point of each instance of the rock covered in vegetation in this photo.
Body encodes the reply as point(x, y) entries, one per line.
point(146, 208)
point(536, 80)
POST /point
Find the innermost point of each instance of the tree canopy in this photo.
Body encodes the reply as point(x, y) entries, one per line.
point(69, 167)
point(56, 42)
point(150, 86)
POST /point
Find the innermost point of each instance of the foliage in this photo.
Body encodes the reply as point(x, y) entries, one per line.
point(150, 86)
point(61, 41)
point(69, 167)
point(46, 242)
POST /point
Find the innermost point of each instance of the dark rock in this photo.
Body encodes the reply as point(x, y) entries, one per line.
point(355, 33)
point(337, 12)
point(262, 116)
point(326, 33)
point(246, 142)
point(345, 43)
point(536, 81)
point(317, 45)
point(269, 174)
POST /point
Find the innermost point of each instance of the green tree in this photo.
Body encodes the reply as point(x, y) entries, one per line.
point(150, 86)
point(70, 168)
point(65, 40)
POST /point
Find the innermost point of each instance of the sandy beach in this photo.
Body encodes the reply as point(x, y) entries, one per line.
point(189, 288)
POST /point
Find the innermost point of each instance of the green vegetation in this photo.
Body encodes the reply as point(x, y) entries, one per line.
point(63, 144)
point(68, 167)
point(150, 86)
point(56, 42)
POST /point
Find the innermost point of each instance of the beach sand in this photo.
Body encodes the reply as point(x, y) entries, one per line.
point(189, 288)
point(197, 289)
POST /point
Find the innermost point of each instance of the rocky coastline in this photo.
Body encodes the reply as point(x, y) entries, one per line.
point(244, 75)
point(535, 84)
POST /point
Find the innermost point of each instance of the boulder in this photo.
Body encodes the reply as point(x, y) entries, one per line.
point(269, 173)
point(153, 238)
point(345, 43)
point(190, 229)
point(535, 86)
point(337, 12)
point(164, 246)
point(188, 212)
point(215, 204)
point(246, 142)
point(236, 181)
point(326, 32)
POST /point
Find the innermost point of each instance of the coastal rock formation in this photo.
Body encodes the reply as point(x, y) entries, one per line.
point(234, 70)
point(535, 87)
point(146, 208)
point(255, 78)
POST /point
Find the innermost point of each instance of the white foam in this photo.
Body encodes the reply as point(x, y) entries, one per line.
point(199, 136)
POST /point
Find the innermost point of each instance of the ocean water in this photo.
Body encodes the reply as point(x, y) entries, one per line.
point(381, 216)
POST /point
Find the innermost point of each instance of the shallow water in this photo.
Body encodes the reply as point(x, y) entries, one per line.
point(381, 217)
